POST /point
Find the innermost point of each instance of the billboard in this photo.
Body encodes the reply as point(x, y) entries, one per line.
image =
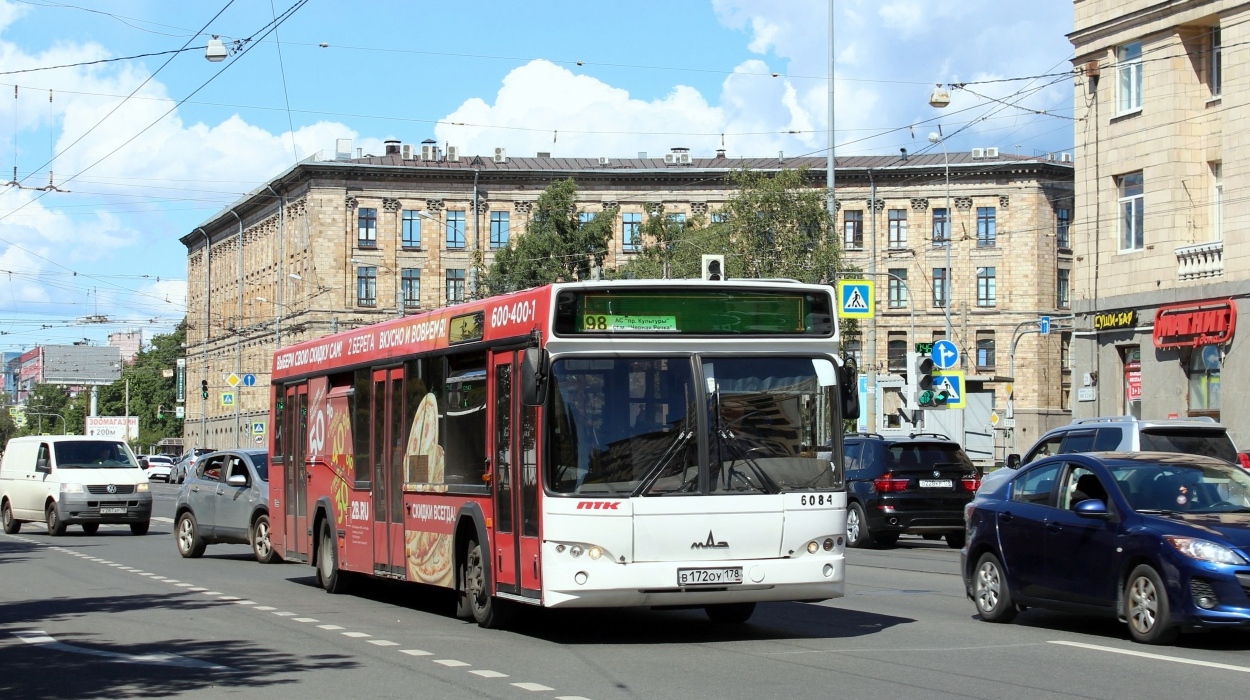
point(117, 427)
point(81, 365)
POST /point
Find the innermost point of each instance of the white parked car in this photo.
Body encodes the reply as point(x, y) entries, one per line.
point(158, 467)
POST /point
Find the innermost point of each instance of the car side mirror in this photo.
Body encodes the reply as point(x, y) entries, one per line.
point(43, 467)
point(1013, 461)
point(1092, 508)
point(236, 480)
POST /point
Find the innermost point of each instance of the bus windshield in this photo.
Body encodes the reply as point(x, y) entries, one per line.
point(631, 426)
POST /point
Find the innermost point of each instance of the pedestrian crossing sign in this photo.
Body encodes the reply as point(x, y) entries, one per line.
point(856, 299)
point(953, 384)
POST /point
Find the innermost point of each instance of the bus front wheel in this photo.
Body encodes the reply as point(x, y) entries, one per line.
point(489, 611)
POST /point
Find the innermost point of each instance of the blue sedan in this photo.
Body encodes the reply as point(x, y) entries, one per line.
point(1160, 541)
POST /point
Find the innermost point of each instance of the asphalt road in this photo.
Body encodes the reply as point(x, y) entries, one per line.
point(116, 615)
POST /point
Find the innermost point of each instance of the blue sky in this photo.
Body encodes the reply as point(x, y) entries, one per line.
point(575, 78)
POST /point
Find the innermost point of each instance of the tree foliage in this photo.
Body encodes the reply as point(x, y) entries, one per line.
point(773, 226)
point(557, 245)
point(149, 389)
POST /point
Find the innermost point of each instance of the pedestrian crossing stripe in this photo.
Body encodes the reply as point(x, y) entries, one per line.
point(857, 299)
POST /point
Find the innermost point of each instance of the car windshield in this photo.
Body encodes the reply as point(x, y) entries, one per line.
point(93, 454)
point(1207, 487)
point(629, 426)
point(1205, 443)
point(261, 462)
point(917, 456)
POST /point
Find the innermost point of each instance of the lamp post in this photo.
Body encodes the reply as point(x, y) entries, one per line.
point(946, 293)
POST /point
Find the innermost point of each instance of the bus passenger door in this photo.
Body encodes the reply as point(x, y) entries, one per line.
point(295, 472)
point(387, 457)
point(515, 483)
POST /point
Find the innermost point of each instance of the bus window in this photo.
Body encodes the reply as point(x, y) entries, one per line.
point(463, 434)
point(361, 400)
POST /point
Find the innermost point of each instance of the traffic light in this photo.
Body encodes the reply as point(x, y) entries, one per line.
point(713, 268)
point(920, 377)
point(204, 388)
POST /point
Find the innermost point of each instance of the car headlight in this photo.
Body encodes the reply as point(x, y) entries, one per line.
point(71, 488)
point(1203, 550)
point(141, 487)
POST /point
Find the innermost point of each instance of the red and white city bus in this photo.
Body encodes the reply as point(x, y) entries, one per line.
point(626, 443)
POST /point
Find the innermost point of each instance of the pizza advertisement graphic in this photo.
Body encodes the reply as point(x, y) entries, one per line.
point(423, 456)
point(429, 557)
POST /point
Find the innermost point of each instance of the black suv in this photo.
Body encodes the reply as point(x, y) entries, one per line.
point(914, 484)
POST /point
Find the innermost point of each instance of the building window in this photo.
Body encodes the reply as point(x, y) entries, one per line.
point(1063, 221)
point(410, 281)
point(631, 232)
point(985, 349)
point(1204, 381)
point(498, 229)
point(1215, 62)
point(1065, 352)
point(1217, 201)
point(455, 286)
point(986, 227)
point(410, 230)
point(584, 217)
point(719, 217)
point(897, 222)
point(1128, 77)
point(1132, 209)
point(986, 294)
point(941, 227)
point(677, 222)
point(366, 286)
point(367, 227)
point(941, 286)
point(853, 229)
point(1062, 286)
point(898, 287)
point(455, 230)
point(896, 352)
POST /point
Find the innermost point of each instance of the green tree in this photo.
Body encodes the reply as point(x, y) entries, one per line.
point(8, 428)
point(44, 403)
point(773, 226)
point(557, 245)
point(150, 389)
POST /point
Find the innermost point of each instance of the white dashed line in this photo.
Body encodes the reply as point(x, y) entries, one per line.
point(488, 674)
point(266, 608)
point(159, 519)
point(172, 580)
point(303, 619)
point(228, 597)
point(197, 589)
point(185, 585)
point(1156, 657)
point(104, 561)
point(245, 602)
point(116, 565)
point(283, 613)
point(532, 686)
point(356, 635)
point(570, 697)
point(159, 578)
point(383, 642)
point(415, 652)
point(212, 592)
point(330, 627)
point(450, 663)
point(136, 571)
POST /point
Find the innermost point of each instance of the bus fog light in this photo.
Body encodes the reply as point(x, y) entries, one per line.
point(828, 544)
point(828, 570)
point(594, 553)
point(559, 549)
point(576, 550)
point(839, 541)
point(580, 577)
point(813, 547)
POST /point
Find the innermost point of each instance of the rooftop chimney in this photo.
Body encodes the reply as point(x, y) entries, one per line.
point(392, 147)
point(720, 153)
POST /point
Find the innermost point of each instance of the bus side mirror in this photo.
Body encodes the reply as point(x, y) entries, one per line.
point(534, 377)
point(848, 386)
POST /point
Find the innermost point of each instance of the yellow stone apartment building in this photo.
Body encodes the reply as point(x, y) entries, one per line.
point(333, 244)
point(1162, 271)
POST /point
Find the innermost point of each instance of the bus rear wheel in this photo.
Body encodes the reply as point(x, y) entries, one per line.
point(730, 613)
point(328, 574)
point(489, 611)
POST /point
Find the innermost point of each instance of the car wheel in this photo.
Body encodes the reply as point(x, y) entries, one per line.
point(1146, 607)
point(262, 547)
point(956, 540)
point(489, 611)
point(187, 536)
point(328, 574)
point(56, 528)
point(856, 527)
point(90, 528)
point(730, 613)
point(989, 590)
point(140, 528)
point(11, 526)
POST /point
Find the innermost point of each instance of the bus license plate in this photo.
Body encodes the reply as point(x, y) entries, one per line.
point(112, 511)
point(709, 577)
point(937, 484)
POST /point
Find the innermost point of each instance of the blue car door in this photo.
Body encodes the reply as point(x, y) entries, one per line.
point(1081, 551)
point(1022, 523)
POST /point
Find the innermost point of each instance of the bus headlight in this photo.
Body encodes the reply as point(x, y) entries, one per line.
point(595, 552)
point(813, 547)
point(576, 550)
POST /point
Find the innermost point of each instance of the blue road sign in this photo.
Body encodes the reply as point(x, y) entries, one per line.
point(1043, 325)
point(857, 297)
point(945, 354)
point(953, 384)
point(1211, 356)
point(249, 380)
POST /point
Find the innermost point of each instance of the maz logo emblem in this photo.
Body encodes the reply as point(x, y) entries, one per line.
point(711, 543)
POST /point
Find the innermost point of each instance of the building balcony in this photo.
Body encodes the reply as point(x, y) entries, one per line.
point(1200, 261)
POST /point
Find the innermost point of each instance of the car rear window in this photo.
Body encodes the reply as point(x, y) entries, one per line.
point(1208, 443)
point(903, 456)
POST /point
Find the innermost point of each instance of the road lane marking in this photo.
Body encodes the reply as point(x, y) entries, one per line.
point(228, 597)
point(197, 589)
point(42, 639)
point(450, 663)
point(384, 642)
point(172, 581)
point(356, 635)
point(186, 585)
point(303, 619)
point(1155, 657)
point(532, 686)
point(416, 652)
point(488, 674)
point(283, 613)
point(570, 697)
point(330, 627)
point(160, 519)
point(245, 602)
point(266, 608)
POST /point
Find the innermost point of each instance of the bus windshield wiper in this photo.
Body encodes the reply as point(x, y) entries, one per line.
point(654, 474)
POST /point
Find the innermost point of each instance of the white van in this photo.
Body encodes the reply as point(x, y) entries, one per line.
point(72, 479)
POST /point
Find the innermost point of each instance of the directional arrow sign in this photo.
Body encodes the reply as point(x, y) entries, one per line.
point(945, 354)
point(1043, 325)
point(953, 384)
point(249, 380)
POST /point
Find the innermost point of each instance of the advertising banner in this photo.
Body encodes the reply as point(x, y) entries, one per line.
point(117, 427)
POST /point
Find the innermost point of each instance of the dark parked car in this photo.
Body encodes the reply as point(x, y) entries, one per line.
point(918, 484)
point(1159, 540)
point(225, 500)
